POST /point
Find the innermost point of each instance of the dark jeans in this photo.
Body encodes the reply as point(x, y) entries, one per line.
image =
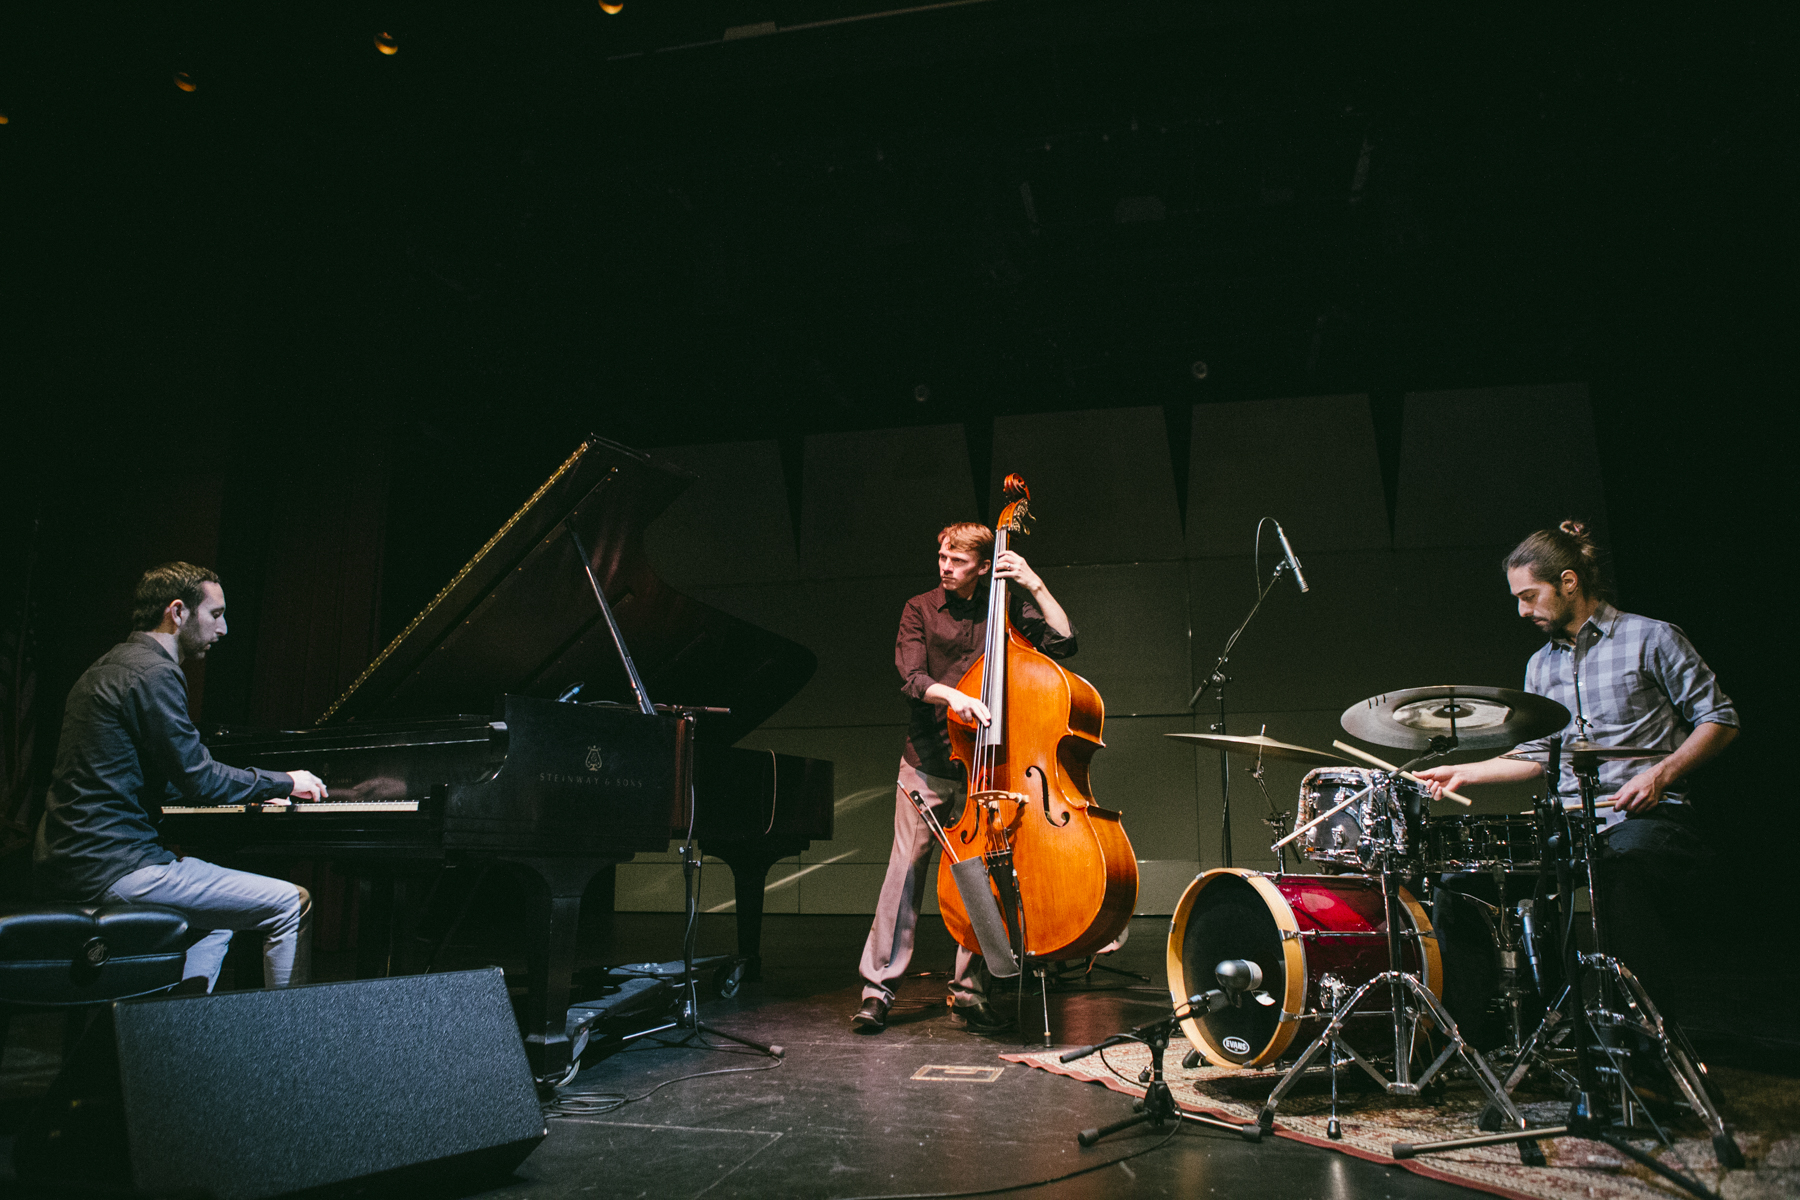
point(1652, 867)
point(1652, 870)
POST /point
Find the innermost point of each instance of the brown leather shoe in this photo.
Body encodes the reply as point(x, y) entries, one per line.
point(871, 1017)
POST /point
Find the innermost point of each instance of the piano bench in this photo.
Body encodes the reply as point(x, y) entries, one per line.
point(75, 956)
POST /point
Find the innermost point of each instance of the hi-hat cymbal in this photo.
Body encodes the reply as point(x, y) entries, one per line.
point(1591, 750)
point(1267, 747)
point(1482, 718)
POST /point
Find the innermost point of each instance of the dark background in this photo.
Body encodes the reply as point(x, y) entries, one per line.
point(326, 320)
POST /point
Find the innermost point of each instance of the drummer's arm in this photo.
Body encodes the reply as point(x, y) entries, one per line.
point(1488, 770)
point(1644, 790)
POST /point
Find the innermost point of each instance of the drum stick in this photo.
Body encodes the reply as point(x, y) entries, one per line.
point(1322, 817)
point(1370, 758)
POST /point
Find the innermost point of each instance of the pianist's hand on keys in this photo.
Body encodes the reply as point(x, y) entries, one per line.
point(307, 786)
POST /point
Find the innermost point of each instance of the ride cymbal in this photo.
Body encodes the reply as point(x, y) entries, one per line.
point(1266, 746)
point(1481, 718)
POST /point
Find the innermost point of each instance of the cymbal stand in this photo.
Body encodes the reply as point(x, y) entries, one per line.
point(1217, 678)
point(1573, 1017)
point(1412, 1004)
point(1277, 821)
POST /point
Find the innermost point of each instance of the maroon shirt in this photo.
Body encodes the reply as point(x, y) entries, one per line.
point(941, 636)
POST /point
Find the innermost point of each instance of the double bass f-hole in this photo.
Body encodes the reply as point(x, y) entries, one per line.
point(1044, 790)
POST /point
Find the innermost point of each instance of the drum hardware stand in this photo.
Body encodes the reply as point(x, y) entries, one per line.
point(1277, 821)
point(1588, 1116)
point(1158, 1106)
point(1404, 986)
point(1217, 678)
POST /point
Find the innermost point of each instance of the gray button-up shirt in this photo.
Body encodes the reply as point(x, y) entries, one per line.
point(1626, 681)
point(127, 749)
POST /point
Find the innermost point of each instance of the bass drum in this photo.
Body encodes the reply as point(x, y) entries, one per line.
point(1309, 934)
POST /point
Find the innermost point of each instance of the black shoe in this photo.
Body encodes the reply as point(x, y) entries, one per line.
point(980, 1017)
point(872, 1016)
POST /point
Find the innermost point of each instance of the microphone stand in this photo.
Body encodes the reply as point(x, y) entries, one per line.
point(1158, 1106)
point(1218, 679)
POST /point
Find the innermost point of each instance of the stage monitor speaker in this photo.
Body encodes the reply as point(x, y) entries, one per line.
point(367, 1088)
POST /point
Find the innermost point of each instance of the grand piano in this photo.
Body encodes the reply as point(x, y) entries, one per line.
point(555, 710)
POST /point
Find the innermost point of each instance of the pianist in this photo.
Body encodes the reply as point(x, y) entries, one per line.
point(127, 748)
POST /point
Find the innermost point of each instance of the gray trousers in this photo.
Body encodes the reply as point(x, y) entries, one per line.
point(890, 946)
point(220, 900)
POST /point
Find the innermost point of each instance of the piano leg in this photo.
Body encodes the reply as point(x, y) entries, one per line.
point(380, 903)
point(553, 887)
point(750, 863)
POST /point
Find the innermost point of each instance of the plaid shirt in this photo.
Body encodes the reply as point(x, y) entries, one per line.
point(1637, 682)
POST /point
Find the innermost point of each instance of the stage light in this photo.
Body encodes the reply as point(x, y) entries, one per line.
point(5, 120)
point(612, 10)
point(184, 81)
point(387, 43)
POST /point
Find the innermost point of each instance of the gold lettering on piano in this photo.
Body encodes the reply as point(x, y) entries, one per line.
point(593, 758)
point(588, 780)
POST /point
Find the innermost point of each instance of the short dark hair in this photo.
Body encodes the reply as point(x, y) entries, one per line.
point(1569, 547)
point(162, 586)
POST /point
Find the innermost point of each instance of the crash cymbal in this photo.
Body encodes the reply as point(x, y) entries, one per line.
point(1266, 746)
point(1482, 718)
point(1591, 750)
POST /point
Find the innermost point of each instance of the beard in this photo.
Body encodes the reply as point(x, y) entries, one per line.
point(193, 646)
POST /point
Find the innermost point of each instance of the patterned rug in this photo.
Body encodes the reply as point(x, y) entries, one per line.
point(1373, 1121)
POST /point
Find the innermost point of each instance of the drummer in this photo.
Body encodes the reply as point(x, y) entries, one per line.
point(1629, 681)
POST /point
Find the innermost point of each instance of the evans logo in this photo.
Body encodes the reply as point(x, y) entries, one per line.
point(1236, 1045)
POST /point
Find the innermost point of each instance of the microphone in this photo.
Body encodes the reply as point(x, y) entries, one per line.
point(1239, 974)
point(1292, 562)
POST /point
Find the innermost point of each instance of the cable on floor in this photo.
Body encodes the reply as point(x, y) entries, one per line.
point(1019, 1187)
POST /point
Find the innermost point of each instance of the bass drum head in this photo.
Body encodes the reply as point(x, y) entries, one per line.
point(1231, 913)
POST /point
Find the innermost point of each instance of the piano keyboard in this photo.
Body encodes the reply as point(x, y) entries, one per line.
point(323, 806)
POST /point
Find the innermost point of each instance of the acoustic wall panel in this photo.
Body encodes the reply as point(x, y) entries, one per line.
point(1132, 622)
point(1150, 779)
point(1101, 482)
point(1487, 466)
point(732, 526)
point(875, 500)
point(1309, 463)
point(1373, 622)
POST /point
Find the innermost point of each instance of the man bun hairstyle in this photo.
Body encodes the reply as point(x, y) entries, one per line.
point(162, 586)
point(1568, 547)
point(968, 535)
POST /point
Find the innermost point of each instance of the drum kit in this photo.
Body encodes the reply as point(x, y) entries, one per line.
point(1344, 966)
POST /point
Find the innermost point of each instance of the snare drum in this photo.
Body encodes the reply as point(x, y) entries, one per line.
point(1315, 937)
point(1383, 818)
point(1463, 844)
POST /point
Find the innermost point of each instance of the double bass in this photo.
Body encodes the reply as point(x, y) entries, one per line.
point(1062, 868)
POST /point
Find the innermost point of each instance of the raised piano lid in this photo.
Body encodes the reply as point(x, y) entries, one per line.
point(521, 618)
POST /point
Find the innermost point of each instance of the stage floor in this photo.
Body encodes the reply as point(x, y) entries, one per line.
point(845, 1114)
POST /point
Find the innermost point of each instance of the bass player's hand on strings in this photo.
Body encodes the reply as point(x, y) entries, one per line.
point(967, 708)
